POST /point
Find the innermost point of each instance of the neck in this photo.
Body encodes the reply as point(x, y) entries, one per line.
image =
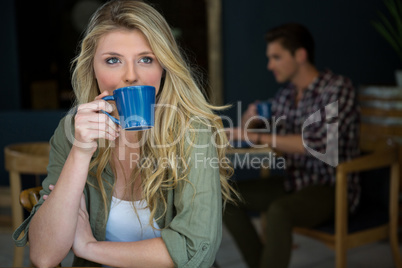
point(127, 144)
point(304, 77)
point(130, 136)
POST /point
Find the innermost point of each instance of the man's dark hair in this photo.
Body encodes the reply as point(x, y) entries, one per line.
point(293, 36)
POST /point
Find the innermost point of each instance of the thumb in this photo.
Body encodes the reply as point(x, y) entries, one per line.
point(103, 94)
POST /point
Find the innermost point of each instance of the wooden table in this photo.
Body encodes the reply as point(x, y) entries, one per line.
point(262, 154)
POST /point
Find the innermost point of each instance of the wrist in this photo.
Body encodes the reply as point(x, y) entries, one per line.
point(263, 139)
point(258, 138)
point(88, 252)
point(79, 155)
point(83, 149)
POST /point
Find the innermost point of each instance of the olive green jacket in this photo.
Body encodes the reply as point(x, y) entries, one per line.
point(192, 225)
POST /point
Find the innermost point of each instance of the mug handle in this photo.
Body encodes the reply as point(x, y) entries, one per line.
point(108, 98)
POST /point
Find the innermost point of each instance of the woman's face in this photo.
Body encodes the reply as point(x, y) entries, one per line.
point(124, 58)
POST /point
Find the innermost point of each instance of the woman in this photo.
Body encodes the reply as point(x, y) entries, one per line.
point(174, 192)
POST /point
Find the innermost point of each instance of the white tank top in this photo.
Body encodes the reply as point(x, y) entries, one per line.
point(123, 225)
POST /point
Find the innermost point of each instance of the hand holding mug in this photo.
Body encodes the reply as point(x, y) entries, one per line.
point(248, 114)
point(91, 125)
point(264, 109)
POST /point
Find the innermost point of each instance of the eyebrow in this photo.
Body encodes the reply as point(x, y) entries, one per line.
point(273, 55)
point(117, 54)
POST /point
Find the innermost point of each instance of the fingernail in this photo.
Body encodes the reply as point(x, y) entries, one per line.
point(51, 186)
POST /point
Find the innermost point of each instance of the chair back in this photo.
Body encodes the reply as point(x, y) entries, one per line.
point(27, 158)
point(30, 197)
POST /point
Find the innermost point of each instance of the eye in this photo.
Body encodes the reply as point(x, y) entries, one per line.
point(146, 60)
point(113, 60)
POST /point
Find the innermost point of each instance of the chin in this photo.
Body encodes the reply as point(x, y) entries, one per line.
point(280, 80)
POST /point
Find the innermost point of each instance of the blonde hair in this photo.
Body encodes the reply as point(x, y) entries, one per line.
point(179, 90)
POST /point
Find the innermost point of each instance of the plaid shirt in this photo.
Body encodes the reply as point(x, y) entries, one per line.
point(335, 99)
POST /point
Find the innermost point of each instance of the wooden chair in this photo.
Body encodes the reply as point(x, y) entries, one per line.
point(24, 158)
point(345, 232)
point(30, 197)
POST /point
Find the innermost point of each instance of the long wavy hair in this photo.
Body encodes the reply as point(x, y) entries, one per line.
point(180, 91)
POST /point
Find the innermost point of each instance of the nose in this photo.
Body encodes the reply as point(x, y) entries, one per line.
point(270, 65)
point(130, 76)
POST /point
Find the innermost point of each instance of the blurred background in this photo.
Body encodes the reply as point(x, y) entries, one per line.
point(40, 38)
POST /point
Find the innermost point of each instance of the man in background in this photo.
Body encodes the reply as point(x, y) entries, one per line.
point(318, 130)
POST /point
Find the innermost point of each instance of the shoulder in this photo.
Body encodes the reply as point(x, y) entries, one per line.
point(200, 142)
point(330, 80)
point(64, 134)
point(201, 138)
point(282, 96)
point(331, 85)
point(285, 91)
point(199, 128)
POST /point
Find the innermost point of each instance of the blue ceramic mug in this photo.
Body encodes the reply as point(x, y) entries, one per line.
point(264, 109)
point(135, 105)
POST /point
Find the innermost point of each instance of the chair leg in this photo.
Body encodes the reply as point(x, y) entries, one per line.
point(340, 255)
point(18, 256)
point(395, 251)
point(17, 214)
point(394, 211)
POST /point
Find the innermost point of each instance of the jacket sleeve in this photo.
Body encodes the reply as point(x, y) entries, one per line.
point(193, 236)
point(60, 147)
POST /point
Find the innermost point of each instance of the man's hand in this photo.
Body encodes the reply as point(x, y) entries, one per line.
point(249, 114)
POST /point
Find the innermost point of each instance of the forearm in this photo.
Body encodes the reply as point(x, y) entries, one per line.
point(52, 229)
point(284, 143)
point(145, 253)
point(254, 123)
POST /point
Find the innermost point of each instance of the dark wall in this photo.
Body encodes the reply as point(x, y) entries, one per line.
point(19, 126)
point(345, 41)
point(9, 86)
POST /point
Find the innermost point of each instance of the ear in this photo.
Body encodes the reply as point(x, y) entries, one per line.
point(301, 55)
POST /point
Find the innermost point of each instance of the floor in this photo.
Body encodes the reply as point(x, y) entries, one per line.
point(312, 254)
point(308, 254)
